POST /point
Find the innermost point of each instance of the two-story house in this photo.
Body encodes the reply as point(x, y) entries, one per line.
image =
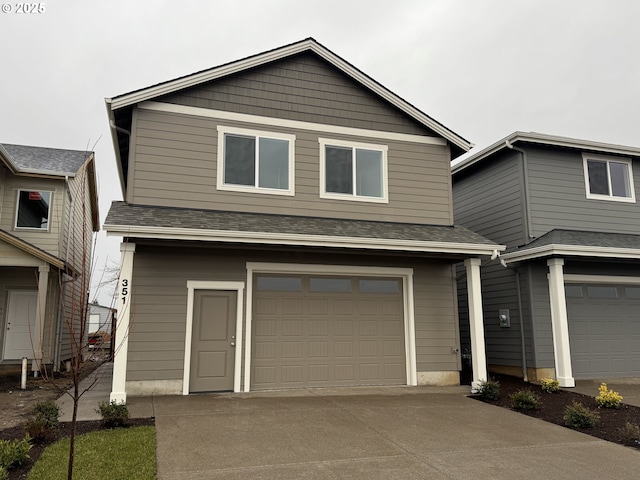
point(287, 223)
point(568, 302)
point(48, 212)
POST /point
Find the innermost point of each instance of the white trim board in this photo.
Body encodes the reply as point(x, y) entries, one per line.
point(604, 279)
point(571, 250)
point(406, 274)
point(283, 123)
point(268, 238)
point(192, 286)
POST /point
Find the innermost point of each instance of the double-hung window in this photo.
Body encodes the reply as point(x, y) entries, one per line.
point(608, 178)
point(353, 171)
point(33, 209)
point(255, 161)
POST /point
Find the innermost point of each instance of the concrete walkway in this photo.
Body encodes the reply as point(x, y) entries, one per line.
point(388, 433)
point(99, 385)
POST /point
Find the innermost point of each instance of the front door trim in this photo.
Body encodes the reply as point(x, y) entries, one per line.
point(192, 286)
point(406, 274)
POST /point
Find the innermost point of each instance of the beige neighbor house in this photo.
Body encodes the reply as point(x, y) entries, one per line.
point(48, 213)
point(287, 223)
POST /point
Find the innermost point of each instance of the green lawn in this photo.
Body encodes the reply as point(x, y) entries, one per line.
point(102, 455)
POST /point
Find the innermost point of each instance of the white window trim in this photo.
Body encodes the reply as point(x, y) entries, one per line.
point(222, 130)
point(406, 274)
point(604, 158)
point(32, 229)
point(192, 286)
point(353, 197)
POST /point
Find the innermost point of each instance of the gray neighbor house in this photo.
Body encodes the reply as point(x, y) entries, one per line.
point(568, 302)
point(287, 222)
point(48, 213)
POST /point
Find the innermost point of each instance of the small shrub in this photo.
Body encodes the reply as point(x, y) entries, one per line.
point(4, 474)
point(489, 389)
point(14, 453)
point(524, 400)
point(631, 432)
point(579, 416)
point(43, 421)
point(608, 398)
point(114, 415)
point(550, 385)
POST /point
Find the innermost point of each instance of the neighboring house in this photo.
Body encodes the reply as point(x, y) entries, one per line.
point(287, 223)
point(101, 318)
point(48, 212)
point(569, 302)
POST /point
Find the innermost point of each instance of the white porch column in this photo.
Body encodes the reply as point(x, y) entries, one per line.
point(476, 322)
point(43, 286)
point(118, 386)
point(559, 323)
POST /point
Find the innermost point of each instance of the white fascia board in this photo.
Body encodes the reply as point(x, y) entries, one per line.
point(300, 240)
point(114, 141)
point(571, 250)
point(257, 60)
point(284, 123)
point(548, 140)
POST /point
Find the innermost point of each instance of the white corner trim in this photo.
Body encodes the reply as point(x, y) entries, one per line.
point(604, 279)
point(267, 238)
point(261, 121)
point(406, 274)
point(571, 250)
point(192, 286)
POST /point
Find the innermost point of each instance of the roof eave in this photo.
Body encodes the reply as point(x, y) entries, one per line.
point(556, 250)
point(268, 238)
point(114, 140)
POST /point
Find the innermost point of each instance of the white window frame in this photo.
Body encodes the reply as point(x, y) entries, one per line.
point(610, 197)
point(222, 130)
point(33, 229)
point(324, 142)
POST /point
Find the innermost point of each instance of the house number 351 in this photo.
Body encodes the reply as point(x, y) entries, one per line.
point(125, 290)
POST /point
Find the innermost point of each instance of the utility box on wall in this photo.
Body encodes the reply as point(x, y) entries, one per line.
point(505, 318)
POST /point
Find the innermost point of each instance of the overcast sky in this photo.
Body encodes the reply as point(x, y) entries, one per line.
point(483, 68)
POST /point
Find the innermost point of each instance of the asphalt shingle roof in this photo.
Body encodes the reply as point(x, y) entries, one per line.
point(124, 214)
point(45, 160)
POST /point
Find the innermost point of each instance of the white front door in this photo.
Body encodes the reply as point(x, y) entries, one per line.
point(20, 324)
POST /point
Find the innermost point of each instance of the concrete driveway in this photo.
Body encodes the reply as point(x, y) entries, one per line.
point(387, 433)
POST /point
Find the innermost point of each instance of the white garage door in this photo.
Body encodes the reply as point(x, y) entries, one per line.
point(604, 330)
point(321, 331)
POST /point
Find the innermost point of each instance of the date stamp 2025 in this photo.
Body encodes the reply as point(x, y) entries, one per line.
point(23, 8)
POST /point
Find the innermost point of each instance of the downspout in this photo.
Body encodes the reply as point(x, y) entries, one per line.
point(525, 178)
point(525, 377)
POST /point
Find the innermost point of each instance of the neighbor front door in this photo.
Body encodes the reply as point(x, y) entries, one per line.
point(20, 324)
point(213, 341)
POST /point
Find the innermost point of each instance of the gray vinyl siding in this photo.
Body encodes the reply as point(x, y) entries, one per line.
point(46, 240)
point(490, 200)
point(304, 88)
point(541, 315)
point(175, 165)
point(559, 197)
point(159, 303)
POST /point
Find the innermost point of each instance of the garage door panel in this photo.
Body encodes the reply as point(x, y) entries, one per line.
point(340, 338)
point(604, 331)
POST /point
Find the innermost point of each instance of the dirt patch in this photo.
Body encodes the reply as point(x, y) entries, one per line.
point(16, 404)
point(612, 421)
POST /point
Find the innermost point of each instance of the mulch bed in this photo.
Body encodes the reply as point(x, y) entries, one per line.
point(553, 405)
point(63, 431)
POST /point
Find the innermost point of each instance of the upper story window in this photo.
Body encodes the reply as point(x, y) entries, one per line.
point(33, 209)
point(353, 171)
point(254, 161)
point(608, 178)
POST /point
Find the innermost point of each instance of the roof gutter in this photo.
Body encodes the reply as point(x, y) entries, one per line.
point(268, 238)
